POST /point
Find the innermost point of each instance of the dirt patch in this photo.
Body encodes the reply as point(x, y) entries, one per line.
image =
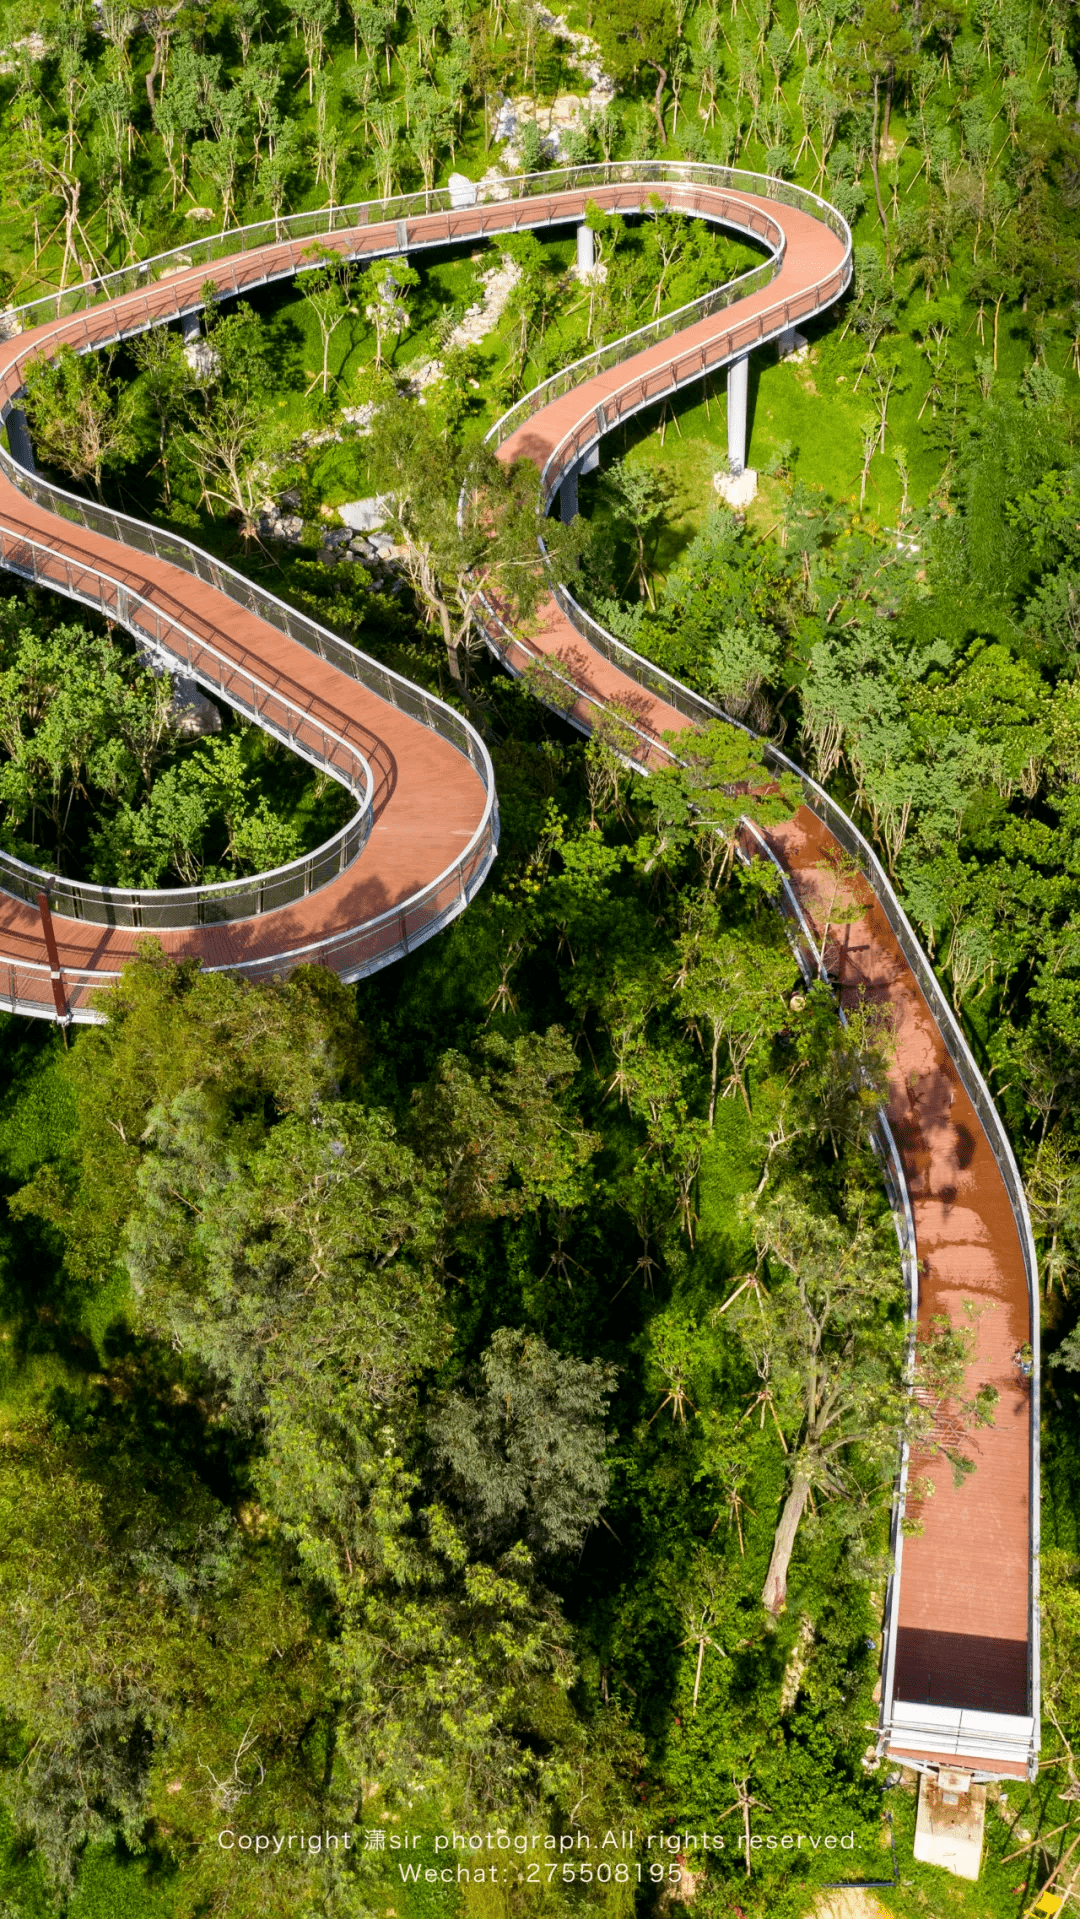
point(848, 1903)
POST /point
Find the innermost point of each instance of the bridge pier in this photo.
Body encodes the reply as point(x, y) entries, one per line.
point(22, 447)
point(738, 387)
point(190, 326)
point(568, 491)
point(586, 249)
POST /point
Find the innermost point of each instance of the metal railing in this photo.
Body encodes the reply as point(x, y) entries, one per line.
point(155, 301)
point(26, 988)
point(362, 949)
point(383, 682)
point(173, 641)
point(696, 708)
point(659, 382)
point(178, 551)
point(323, 223)
point(847, 835)
point(555, 689)
point(557, 385)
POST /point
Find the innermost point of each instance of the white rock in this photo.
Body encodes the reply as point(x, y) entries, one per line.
point(275, 525)
point(366, 516)
point(736, 489)
point(462, 190)
point(360, 417)
point(203, 359)
point(193, 713)
point(492, 185)
point(32, 45)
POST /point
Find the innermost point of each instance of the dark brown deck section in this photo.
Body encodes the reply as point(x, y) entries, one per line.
point(963, 1617)
point(964, 1590)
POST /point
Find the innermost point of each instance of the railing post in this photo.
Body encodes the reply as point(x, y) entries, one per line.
point(53, 951)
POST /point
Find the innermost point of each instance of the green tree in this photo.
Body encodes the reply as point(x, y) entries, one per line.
point(230, 437)
point(491, 550)
point(644, 35)
point(718, 779)
point(639, 499)
point(730, 985)
point(163, 1668)
point(81, 419)
point(388, 284)
point(325, 289)
point(827, 1341)
point(525, 1452)
point(498, 1132)
point(208, 798)
point(880, 48)
point(1052, 1182)
point(842, 1080)
point(78, 719)
point(166, 381)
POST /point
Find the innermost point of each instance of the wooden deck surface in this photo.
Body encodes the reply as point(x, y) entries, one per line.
point(964, 1589)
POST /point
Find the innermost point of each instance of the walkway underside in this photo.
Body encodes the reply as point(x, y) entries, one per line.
point(960, 1674)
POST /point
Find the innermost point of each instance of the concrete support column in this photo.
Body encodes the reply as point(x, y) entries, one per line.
point(190, 326)
point(19, 441)
point(792, 344)
point(738, 386)
point(586, 249)
point(568, 504)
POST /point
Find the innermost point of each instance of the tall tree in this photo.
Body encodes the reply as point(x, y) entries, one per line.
point(229, 435)
point(490, 548)
point(81, 418)
point(325, 289)
point(827, 1340)
point(645, 34)
point(525, 1452)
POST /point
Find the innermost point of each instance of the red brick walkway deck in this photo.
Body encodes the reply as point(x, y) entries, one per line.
point(962, 1639)
point(963, 1627)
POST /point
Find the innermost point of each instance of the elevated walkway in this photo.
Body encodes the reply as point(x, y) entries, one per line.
point(961, 1655)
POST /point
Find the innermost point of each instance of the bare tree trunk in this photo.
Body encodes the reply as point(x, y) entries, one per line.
point(874, 160)
point(453, 656)
point(774, 1596)
point(657, 98)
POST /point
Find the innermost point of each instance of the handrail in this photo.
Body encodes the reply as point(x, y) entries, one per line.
point(360, 949)
point(180, 551)
point(655, 384)
point(221, 899)
point(615, 351)
point(849, 837)
point(267, 892)
point(695, 707)
point(403, 206)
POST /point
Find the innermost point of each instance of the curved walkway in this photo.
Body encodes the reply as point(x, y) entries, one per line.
point(960, 1662)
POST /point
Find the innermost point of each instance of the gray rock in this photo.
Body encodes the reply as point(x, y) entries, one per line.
point(366, 516)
